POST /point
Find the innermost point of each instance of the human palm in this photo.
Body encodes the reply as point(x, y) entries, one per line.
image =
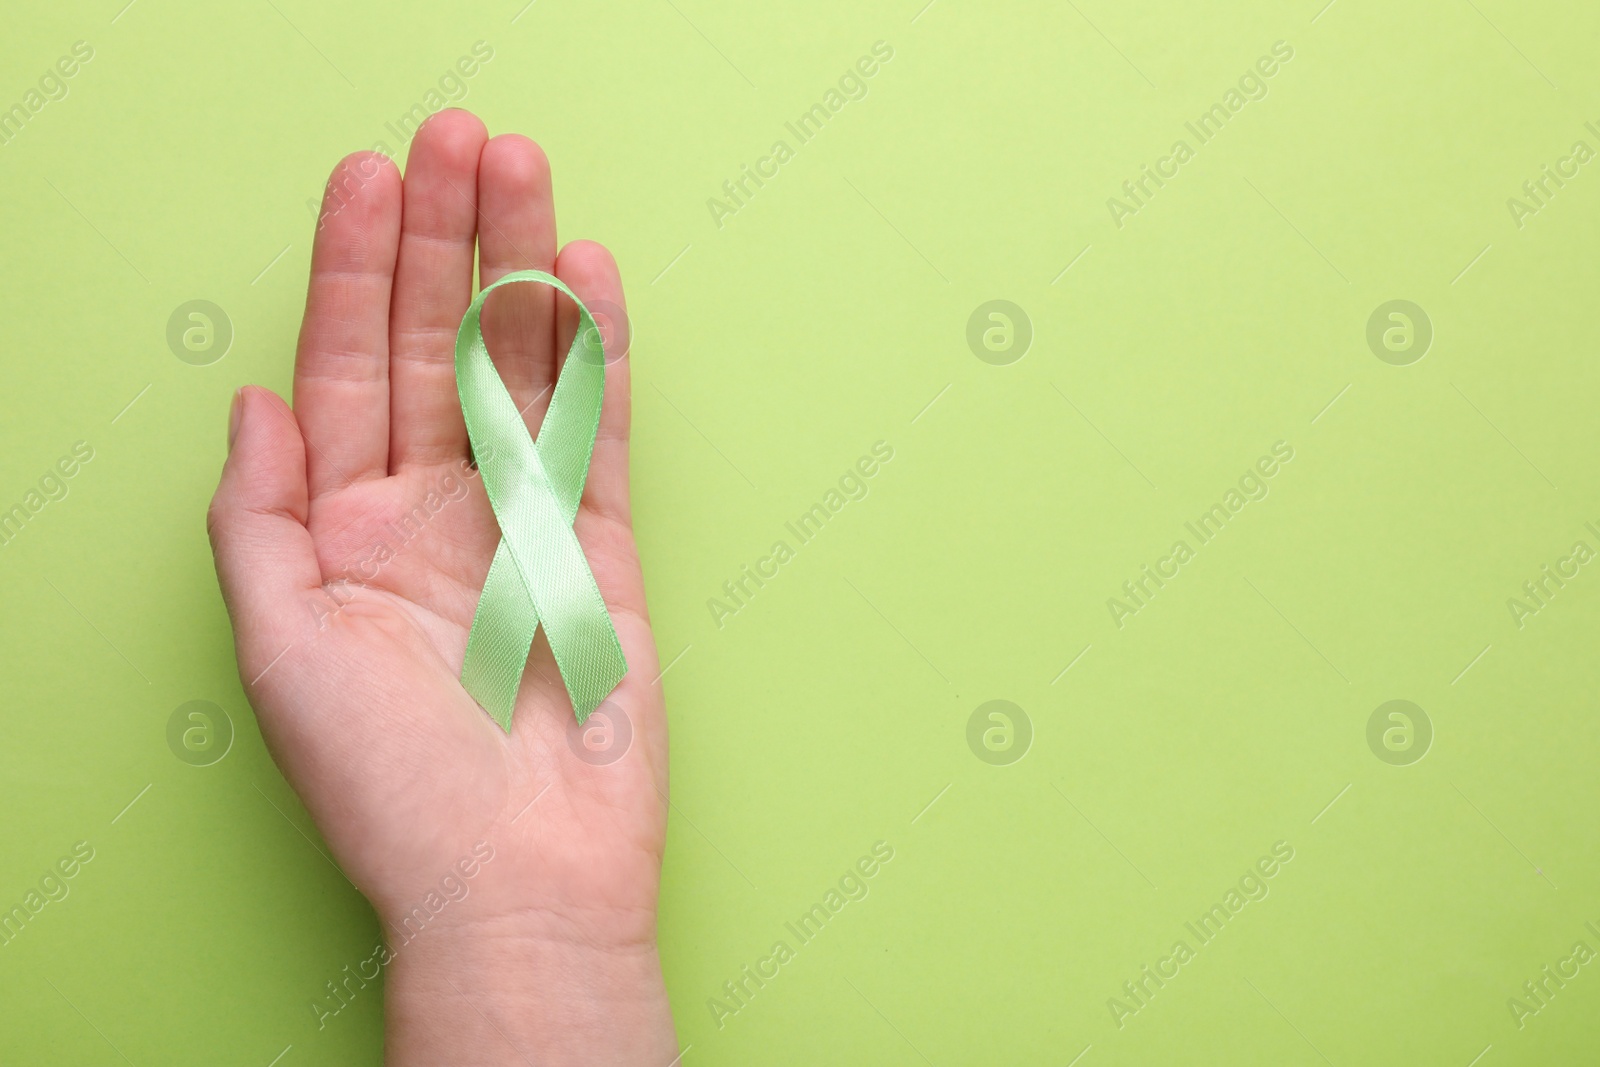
point(352, 538)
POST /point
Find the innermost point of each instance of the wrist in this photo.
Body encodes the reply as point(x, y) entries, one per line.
point(495, 991)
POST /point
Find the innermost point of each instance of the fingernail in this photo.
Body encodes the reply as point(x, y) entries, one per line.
point(233, 416)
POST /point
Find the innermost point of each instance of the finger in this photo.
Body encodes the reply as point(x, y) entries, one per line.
point(432, 288)
point(591, 272)
point(517, 231)
point(266, 562)
point(341, 369)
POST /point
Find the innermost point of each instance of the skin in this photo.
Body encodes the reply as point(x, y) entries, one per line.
point(353, 666)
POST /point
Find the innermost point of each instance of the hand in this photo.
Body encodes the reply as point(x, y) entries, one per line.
point(351, 653)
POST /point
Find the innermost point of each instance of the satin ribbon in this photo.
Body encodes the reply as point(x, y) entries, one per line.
point(539, 573)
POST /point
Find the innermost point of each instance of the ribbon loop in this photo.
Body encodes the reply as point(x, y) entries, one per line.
point(539, 573)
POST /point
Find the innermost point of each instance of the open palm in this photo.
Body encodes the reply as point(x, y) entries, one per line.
point(352, 538)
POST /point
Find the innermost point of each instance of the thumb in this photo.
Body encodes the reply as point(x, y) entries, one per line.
point(265, 558)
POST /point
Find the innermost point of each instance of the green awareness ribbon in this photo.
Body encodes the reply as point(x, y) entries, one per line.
point(539, 573)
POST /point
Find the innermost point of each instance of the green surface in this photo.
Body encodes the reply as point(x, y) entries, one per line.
point(827, 313)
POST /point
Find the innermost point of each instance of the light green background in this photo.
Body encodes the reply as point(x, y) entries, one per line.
point(769, 354)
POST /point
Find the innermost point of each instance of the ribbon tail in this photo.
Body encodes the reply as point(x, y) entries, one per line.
point(501, 635)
